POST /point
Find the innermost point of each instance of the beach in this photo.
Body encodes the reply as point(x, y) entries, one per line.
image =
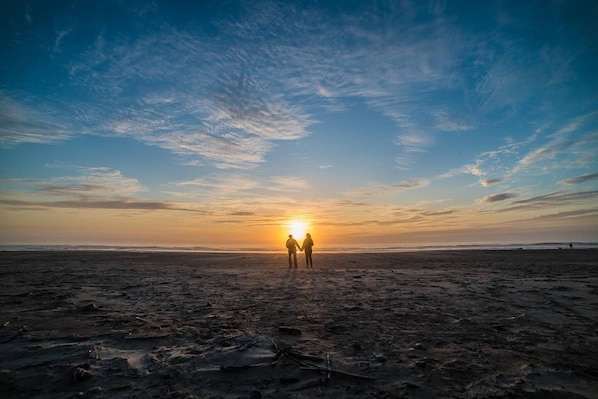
point(435, 324)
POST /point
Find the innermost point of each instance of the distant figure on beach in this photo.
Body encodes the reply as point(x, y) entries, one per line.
point(307, 244)
point(571, 245)
point(292, 246)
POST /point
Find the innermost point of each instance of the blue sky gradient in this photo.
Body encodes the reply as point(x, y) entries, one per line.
point(218, 123)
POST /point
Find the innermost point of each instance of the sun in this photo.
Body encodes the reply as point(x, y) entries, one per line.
point(297, 228)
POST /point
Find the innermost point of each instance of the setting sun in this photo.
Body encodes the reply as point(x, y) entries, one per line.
point(297, 228)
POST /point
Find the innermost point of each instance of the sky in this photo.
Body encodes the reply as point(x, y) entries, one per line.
point(235, 123)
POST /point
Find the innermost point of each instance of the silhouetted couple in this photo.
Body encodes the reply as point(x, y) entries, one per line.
point(292, 246)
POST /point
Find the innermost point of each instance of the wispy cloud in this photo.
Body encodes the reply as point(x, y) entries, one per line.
point(91, 188)
point(218, 185)
point(497, 198)
point(378, 189)
point(571, 145)
point(588, 212)
point(92, 182)
point(553, 200)
point(558, 197)
point(411, 184)
point(288, 183)
point(441, 213)
point(88, 183)
point(450, 122)
point(60, 35)
point(490, 182)
point(27, 15)
point(580, 179)
point(411, 144)
point(126, 204)
point(29, 120)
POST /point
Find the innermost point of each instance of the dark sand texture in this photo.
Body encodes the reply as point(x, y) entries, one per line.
point(462, 324)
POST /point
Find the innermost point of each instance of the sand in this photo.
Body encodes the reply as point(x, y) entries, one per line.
point(462, 324)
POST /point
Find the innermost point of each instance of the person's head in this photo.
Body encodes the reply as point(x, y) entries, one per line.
point(290, 236)
point(308, 235)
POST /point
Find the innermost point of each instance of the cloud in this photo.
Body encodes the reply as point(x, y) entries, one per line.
point(558, 197)
point(92, 182)
point(573, 126)
point(473, 169)
point(441, 213)
point(27, 15)
point(552, 200)
point(242, 213)
point(570, 145)
point(571, 214)
point(127, 204)
point(223, 110)
point(92, 188)
point(414, 142)
point(288, 183)
point(497, 198)
point(384, 214)
point(392, 65)
point(60, 35)
point(490, 182)
point(580, 179)
point(377, 189)
point(411, 184)
point(225, 151)
point(547, 152)
point(411, 144)
point(347, 203)
point(219, 185)
point(29, 121)
point(450, 122)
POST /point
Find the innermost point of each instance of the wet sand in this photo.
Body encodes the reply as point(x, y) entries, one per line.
point(460, 324)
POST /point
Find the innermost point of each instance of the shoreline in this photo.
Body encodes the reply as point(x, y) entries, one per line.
point(378, 248)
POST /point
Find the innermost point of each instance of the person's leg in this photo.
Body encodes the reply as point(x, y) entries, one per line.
point(295, 258)
point(290, 264)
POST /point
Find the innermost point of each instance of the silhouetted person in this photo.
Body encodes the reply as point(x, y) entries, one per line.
point(307, 244)
point(292, 246)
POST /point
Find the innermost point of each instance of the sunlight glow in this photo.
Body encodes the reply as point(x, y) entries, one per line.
point(297, 228)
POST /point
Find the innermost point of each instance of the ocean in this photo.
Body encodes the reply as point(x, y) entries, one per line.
point(366, 248)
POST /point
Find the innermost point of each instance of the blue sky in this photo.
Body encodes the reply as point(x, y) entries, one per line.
point(221, 122)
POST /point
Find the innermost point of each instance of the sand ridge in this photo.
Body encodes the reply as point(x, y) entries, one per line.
point(460, 324)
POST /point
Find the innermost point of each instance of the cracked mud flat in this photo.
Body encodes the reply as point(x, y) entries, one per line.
point(462, 324)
